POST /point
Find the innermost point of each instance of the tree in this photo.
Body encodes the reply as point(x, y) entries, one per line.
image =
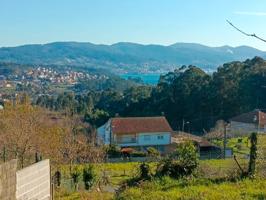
point(183, 162)
point(21, 126)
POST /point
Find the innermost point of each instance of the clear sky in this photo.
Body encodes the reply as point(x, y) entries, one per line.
point(142, 21)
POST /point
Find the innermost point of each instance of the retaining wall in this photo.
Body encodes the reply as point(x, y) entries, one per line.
point(33, 182)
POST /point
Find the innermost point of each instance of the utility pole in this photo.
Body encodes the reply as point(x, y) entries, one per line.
point(183, 125)
point(225, 135)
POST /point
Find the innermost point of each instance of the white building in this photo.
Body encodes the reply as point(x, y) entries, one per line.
point(254, 121)
point(136, 132)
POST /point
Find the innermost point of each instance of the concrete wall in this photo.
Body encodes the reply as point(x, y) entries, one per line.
point(8, 180)
point(33, 182)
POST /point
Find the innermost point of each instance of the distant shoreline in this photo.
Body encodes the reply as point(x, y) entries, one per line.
point(149, 78)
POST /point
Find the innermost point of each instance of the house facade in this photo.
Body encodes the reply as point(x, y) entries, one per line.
point(136, 132)
point(244, 124)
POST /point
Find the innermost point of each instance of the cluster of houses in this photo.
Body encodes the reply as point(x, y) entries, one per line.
point(4, 83)
point(41, 74)
point(140, 133)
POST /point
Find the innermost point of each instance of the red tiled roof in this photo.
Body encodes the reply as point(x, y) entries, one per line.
point(129, 125)
point(180, 137)
point(253, 117)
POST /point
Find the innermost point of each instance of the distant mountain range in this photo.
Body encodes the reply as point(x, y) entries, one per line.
point(128, 57)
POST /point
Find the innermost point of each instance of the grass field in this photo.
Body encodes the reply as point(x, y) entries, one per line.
point(196, 190)
point(205, 186)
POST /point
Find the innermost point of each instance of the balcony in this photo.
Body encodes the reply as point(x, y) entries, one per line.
point(126, 140)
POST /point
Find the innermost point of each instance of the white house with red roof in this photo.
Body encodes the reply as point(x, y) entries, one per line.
point(137, 132)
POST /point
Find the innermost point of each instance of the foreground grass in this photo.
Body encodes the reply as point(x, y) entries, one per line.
point(118, 173)
point(204, 187)
point(199, 190)
point(82, 195)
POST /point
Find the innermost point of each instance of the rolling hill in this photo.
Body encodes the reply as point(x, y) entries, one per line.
point(127, 57)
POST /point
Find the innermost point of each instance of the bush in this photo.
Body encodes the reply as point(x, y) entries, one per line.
point(138, 154)
point(57, 178)
point(240, 140)
point(75, 175)
point(183, 162)
point(89, 176)
point(113, 151)
point(152, 152)
point(145, 172)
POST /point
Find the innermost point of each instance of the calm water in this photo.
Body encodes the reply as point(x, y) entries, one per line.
point(151, 79)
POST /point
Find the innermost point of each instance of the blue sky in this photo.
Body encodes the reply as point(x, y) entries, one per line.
point(142, 21)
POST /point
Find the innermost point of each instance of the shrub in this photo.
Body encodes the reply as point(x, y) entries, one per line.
point(75, 175)
point(152, 152)
point(113, 151)
point(183, 162)
point(238, 146)
point(89, 176)
point(145, 171)
point(138, 154)
point(57, 178)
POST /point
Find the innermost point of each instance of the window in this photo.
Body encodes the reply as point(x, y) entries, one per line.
point(126, 139)
point(160, 137)
point(147, 137)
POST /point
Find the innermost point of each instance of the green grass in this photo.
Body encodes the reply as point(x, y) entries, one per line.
point(202, 187)
point(239, 145)
point(83, 195)
point(199, 190)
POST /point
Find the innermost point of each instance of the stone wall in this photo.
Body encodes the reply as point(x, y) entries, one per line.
point(8, 180)
point(33, 182)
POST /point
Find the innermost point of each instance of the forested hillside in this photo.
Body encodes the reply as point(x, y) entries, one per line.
point(188, 94)
point(127, 57)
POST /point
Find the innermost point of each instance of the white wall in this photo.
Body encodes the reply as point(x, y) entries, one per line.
point(153, 139)
point(239, 128)
point(146, 139)
point(103, 133)
point(33, 182)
